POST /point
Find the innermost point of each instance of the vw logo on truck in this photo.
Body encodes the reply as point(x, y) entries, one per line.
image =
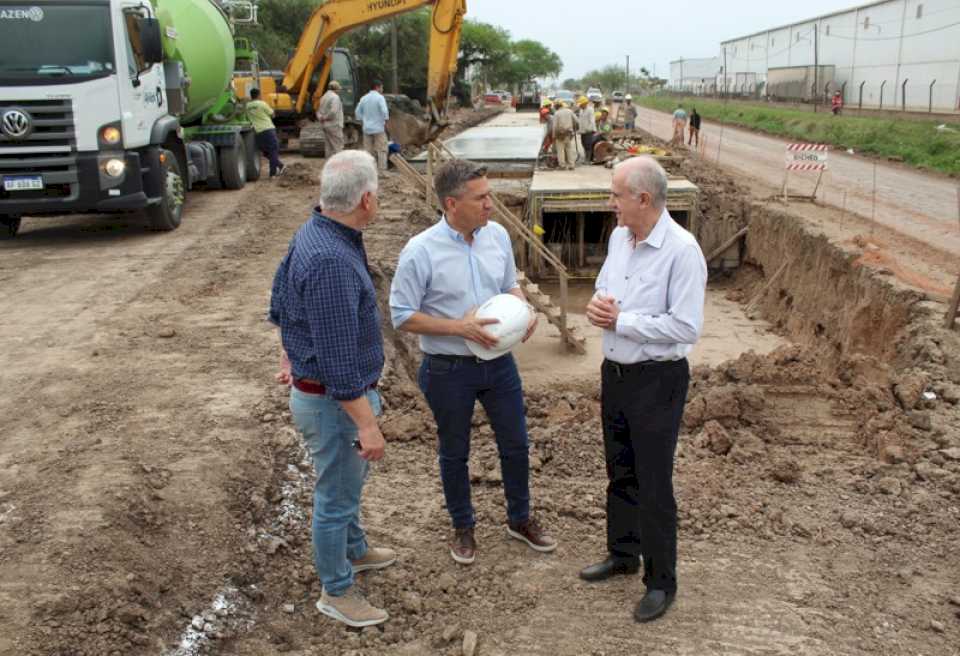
point(34, 14)
point(15, 123)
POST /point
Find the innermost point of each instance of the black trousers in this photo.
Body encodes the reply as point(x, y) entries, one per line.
point(642, 405)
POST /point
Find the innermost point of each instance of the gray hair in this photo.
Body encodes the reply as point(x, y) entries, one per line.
point(646, 174)
point(346, 177)
point(452, 177)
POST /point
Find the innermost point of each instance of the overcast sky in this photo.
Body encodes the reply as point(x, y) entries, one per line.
point(589, 34)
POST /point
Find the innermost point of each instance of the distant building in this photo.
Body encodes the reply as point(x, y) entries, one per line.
point(695, 75)
point(891, 54)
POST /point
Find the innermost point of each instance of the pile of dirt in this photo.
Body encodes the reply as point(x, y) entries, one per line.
point(299, 174)
point(816, 485)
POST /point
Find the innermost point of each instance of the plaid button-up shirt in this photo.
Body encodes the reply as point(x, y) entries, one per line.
point(325, 304)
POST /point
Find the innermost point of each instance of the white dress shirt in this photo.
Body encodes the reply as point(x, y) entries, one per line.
point(659, 285)
point(441, 275)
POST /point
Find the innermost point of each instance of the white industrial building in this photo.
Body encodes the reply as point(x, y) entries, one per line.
point(891, 54)
point(696, 75)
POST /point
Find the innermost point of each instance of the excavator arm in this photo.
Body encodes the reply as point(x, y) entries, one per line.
point(335, 17)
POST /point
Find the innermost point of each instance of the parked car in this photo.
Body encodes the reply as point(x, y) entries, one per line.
point(566, 96)
point(492, 98)
point(617, 96)
point(593, 93)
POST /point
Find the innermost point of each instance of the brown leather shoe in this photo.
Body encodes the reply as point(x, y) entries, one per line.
point(533, 534)
point(463, 547)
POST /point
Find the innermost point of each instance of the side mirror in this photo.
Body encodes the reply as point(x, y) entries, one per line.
point(150, 40)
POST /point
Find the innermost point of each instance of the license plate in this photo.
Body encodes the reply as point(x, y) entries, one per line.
point(22, 182)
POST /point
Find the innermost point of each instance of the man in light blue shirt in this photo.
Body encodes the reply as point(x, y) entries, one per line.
point(649, 303)
point(443, 275)
point(372, 111)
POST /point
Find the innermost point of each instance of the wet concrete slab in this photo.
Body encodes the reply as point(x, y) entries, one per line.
point(509, 140)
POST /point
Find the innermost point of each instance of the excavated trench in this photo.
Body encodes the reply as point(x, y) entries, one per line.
point(859, 404)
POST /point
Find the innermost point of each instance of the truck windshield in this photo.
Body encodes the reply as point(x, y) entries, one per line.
point(67, 42)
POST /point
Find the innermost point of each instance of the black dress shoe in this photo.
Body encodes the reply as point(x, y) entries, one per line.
point(654, 604)
point(612, 566)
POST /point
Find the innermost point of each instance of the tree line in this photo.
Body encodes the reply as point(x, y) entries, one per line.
point(614, 78)
point(487, 52)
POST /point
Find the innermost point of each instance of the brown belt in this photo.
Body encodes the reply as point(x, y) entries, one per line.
point(308, 386)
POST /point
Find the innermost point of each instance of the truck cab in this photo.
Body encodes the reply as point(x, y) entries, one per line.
point(91, 108)
point(77, 101)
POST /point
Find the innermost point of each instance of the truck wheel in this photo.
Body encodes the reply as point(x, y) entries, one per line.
point(233, 165)
point(9, 226)
point(166, 214)
point(253, 156)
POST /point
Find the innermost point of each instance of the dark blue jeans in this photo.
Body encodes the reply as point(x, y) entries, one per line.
point(269, 145)
point(452, 386)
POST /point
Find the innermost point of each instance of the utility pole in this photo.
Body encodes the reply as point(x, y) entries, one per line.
point(816, 69)
point(626, 87)
point(724, 72)
point(395, 82)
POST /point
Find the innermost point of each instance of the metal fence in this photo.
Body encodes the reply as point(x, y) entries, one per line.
point(906, 96)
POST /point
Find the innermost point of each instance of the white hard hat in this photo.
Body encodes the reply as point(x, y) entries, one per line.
point(513, 317)
point(628, 97)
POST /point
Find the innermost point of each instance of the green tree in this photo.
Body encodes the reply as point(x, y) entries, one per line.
point(531, 59)
point(281, 22)
point(571, 84)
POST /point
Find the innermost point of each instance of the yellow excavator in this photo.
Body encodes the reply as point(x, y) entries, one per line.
point(316, 60)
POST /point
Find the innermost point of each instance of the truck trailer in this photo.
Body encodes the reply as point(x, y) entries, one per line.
point(117, 105)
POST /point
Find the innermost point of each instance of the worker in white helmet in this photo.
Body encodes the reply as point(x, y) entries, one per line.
point(629, 113)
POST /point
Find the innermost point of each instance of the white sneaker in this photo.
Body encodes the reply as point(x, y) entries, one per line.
point(375, 558)
point(351, 609)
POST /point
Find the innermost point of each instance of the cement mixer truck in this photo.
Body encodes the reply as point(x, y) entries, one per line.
point(117, 105)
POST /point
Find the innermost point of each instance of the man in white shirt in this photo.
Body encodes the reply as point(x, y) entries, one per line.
point(330, 115)
point(372, 111)
point(649, 302)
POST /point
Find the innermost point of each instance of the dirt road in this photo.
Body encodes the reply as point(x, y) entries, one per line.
point(921, 206)
point(154, 498)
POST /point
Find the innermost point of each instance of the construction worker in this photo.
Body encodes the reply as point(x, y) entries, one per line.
point(373, 113)
point(836, 103)
point(588, 128)
point(546, 117)
point(330, 115)
point(564, 135)
point(629, 113)
point(265, 132)
point(679, 124)
point(694, 127)
point(604, 124)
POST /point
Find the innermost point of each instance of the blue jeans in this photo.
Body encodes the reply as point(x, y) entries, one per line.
point(329, 433)
point(452, 387)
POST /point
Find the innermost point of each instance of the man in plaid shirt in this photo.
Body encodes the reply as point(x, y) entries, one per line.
point(325, 305)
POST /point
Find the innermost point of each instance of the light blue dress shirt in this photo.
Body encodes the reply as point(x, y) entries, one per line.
point(372, 111)
point(659, 284)
point(441, 275)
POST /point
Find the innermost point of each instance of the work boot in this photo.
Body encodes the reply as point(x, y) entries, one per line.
point(375, 558)
point(351, 609)
point(533, 534)
point(463, 548)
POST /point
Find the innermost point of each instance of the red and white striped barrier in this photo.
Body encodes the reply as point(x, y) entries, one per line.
point(806, 157)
